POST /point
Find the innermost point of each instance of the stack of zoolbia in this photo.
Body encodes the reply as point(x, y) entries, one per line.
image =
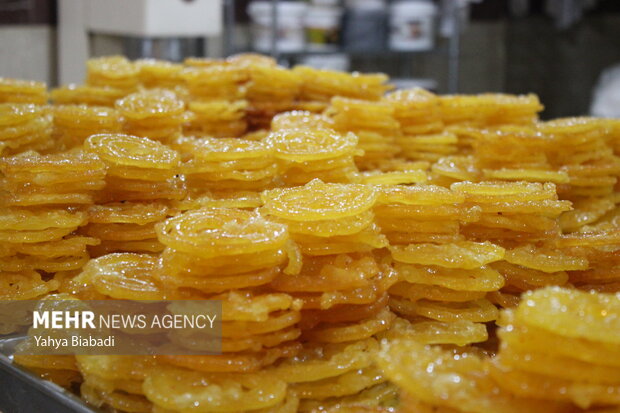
point(374, 250)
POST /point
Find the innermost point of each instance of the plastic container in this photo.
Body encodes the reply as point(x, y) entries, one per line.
point(323, 28)
point(335, 61)
point(412, 25)
point(410, 83)
point(365, 25)
point(290, 30)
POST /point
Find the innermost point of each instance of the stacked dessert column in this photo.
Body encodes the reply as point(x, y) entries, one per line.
point(225, 169)
point(342, 287)
point(523, 218)
point(306, 152)
point(25, 121)
point(45, 198)
point(217, 102)
point(230, 255)
point(372, 122)
point(156, 114)
point(74, 123)
point(307, 147)
point(114, 72)
point(217, 118)
point(155, 74)
point(271, 90)
point(526, 161)
point(422, 136)
point(24, 127)
point(444, 277)
point(142, 179)
point(466, 115)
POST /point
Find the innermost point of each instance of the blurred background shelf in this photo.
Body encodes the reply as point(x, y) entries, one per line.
point(362, 53)
point(512, 46)
point(267, 31)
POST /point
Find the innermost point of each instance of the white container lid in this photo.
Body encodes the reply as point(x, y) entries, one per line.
point(285, 8)
point(337, 61)
point(320, 12)
point(410, 83)
point(424, 7)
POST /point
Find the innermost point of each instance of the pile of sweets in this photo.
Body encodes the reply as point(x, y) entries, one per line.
point(374, 250)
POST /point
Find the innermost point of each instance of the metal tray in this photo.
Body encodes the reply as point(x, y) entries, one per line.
point(24, 392)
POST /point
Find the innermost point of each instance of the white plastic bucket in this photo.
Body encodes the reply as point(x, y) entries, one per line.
point(335, 61)
point(290, 30)
point(412, 25)
point(323, 28)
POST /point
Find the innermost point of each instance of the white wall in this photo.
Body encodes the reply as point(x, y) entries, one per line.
point(28, 52)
